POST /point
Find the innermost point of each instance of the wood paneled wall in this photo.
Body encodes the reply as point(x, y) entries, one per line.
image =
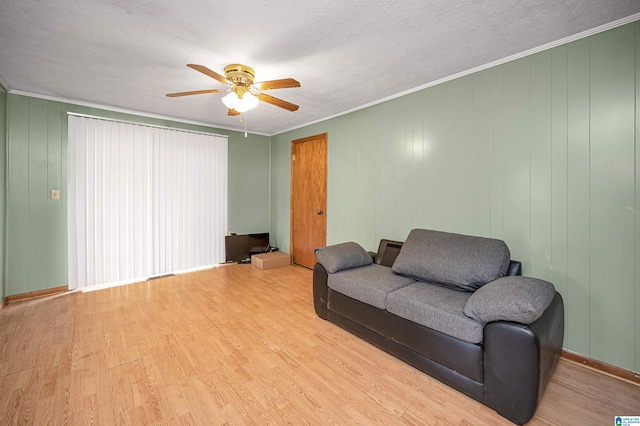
point(541, 152)
point(3, 159)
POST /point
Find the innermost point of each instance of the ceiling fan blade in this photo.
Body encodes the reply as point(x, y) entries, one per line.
point(233, 112)
point(207, 71)
point(195, 92)
point(284, 83)
point(278, 102)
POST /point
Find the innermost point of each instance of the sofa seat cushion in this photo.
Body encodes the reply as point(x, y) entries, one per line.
point(462, 262)
point(437, 307)
point(368, 284)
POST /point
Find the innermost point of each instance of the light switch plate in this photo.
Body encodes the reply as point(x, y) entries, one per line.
point(55, 194)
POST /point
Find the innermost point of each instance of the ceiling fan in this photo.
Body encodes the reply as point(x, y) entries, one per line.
point(243, 94)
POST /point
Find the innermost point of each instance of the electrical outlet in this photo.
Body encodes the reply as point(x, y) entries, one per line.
point(55, 194)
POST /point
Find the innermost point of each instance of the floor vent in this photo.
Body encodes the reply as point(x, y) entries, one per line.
point(157, 277)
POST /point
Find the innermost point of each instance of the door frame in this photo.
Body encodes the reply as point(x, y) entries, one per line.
point(325, 137)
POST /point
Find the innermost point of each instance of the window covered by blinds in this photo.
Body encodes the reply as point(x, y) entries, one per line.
point(143, 201)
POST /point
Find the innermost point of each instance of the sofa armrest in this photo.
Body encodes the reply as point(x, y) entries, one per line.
point(515, 299)
point(343, 256)
point(320, 290)
point(519, 361)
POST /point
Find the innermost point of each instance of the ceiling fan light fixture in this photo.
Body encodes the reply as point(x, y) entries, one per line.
point(246, 102)
point(230, 100)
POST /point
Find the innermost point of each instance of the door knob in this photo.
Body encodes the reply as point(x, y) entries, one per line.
point(320, 212)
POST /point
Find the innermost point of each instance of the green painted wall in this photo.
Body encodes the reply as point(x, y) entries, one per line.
point(36, 240)
point(3, 150)
point(542, 152)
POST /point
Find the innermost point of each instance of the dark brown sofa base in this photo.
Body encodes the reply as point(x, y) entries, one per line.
point(455, 354)
point(508, 372)
point(452, 378)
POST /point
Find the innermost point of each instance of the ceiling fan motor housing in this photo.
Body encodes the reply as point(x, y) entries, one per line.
point(240, 74)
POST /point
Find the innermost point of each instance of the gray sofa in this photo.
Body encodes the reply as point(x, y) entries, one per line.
point(454, 306)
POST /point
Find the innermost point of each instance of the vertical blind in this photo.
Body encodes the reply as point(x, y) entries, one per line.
point(143, 201)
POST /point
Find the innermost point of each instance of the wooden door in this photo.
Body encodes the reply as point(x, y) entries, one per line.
point(308, 198)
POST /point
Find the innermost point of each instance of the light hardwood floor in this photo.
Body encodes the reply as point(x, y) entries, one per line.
point(237, 345)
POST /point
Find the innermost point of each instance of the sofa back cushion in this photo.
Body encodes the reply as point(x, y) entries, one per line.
point(462, 262)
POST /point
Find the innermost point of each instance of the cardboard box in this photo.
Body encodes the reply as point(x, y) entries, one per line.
point(270, 260)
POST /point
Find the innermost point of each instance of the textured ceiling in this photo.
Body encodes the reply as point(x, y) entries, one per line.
point(127, 54)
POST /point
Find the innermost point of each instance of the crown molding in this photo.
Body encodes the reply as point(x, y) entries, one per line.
point(126, 111)
point(4, 84)
point(551, 45)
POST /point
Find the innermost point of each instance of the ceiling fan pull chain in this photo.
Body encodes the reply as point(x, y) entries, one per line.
point(245, 123)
